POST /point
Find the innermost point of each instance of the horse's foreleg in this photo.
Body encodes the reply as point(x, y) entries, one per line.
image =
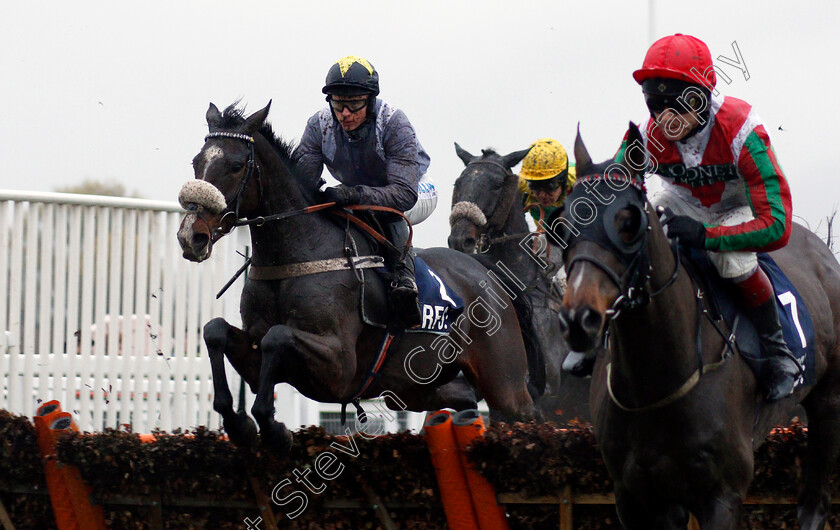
point(822, 451)
point(657, 514)
point(722, 512)
point(274, 434)
point(221, 338)
point(630, 512)
point(504, 389)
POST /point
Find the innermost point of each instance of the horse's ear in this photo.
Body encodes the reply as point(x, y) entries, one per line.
point(463, 154)
point(582, 160)
point(635, 155)
point(255, 120)
point(214, 117)
point(514, 158)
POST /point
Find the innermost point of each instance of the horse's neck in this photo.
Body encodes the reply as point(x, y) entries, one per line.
point(299, 238)
point(519, 260)
point(654, 348)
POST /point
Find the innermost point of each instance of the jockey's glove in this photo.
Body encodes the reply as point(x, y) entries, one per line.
point(689, 231)
point(341, 195)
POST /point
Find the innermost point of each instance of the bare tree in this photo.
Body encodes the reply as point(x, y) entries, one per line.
point(110, 188)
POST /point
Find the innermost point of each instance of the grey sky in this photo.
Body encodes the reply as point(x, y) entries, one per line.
point(118, 90)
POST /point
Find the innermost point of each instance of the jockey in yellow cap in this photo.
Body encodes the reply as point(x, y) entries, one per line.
point(545, 179)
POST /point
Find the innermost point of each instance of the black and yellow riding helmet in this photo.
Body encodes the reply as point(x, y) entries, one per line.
point(546, 166)
point(351, 76)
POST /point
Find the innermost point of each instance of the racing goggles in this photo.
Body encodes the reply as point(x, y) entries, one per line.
point(353, 105)
point(548, 185)
point(679, 96)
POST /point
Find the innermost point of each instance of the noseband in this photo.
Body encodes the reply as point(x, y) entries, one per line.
point(250, 167)
point(496, 219)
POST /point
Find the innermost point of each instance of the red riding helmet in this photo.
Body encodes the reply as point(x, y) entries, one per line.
point(680, 57)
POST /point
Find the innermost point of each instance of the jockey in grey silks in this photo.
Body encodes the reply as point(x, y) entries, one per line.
point(371, 148)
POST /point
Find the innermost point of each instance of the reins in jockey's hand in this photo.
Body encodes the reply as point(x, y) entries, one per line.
point(295, 269)
point(688, 230)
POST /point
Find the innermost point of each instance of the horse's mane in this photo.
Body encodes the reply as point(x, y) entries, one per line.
point(233, 117)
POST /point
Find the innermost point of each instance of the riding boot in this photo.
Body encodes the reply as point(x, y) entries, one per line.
point(403, 287)
point(781, 370)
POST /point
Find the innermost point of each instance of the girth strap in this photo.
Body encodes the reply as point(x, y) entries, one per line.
point(292, 270)
point(373, 373)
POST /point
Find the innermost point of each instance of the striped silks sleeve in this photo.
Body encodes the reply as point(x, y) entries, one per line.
point(768, 195)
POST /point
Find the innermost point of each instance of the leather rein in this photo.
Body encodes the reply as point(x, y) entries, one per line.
point(633, 286)
point(279, 272)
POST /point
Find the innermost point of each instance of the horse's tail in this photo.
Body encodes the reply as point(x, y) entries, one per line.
point(533, 352)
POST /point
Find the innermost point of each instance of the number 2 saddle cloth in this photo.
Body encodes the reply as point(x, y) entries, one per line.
point(440, 305)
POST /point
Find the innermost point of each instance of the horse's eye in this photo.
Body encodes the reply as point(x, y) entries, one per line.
point(628, 222)
point(236, 167)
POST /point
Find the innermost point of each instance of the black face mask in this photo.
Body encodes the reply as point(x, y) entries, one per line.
point(602, 230)
point(604, 233)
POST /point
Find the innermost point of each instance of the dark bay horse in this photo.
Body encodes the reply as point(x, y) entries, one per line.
point(678, 439)
point(487, 222)
point(307, 329)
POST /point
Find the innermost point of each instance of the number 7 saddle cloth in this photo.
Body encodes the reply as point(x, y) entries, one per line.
point(797, 326)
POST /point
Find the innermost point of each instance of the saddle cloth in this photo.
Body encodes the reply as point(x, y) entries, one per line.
point(440, 305)
point(797, 325)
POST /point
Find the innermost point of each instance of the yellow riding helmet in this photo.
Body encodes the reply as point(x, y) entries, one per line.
point(545, 160)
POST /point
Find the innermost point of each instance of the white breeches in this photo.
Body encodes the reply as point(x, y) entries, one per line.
point(730, 265)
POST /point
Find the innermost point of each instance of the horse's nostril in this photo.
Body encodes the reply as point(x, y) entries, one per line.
point(200, 240)
point(563, 320)
point(590, 320)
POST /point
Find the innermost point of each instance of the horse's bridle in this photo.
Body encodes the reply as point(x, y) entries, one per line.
point(633, 282)
point(633, 289)
point(496, 219)
point(251, 166)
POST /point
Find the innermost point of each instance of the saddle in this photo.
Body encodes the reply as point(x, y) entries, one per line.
point(722, 304)
point(440, 305)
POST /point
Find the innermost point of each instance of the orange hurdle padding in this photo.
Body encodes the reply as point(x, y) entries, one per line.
point(446, 458)
point(70, 497)
point(468, 426)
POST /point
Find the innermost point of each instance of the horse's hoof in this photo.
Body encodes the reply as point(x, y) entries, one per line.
point(277, 438)
point(241, 429)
